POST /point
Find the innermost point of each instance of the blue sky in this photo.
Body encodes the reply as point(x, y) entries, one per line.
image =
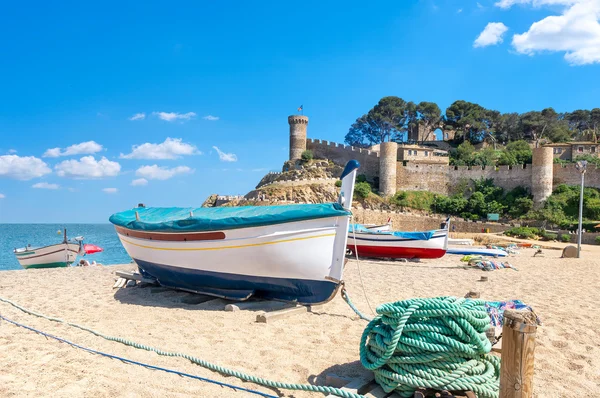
point(208, 75)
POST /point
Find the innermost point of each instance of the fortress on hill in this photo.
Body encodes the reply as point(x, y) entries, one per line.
point(400, 167)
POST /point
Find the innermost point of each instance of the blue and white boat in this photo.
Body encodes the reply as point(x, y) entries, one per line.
point(291, 253)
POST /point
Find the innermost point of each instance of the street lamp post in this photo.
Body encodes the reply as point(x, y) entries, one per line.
point(580, 166)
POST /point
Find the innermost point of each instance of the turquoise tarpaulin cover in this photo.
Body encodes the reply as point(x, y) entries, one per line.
point(175, 219)
point(425, 235)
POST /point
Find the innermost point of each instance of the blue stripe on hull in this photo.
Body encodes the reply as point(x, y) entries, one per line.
point(239, 287)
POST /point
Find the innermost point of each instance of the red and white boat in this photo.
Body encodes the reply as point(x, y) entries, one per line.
point(387, 244)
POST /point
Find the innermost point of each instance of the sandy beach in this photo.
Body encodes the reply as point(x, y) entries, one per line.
point(300, 349)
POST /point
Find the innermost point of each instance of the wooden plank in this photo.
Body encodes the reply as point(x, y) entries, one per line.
point(377, 392)
point(280, 314)
point(119, 283)
point(518, 347)
point(357, 386)
point(336, 381)
point(257, 305)
point(129, 275)
point(135, 277)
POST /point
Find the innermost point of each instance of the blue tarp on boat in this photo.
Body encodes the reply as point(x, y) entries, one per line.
point(424, 235)
point(177, 219)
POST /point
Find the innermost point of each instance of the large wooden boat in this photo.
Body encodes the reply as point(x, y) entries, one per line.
point(292, 253)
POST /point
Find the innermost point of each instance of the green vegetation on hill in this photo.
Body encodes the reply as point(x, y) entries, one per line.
point(562, 207)
point(516, 152)
point(473, 203)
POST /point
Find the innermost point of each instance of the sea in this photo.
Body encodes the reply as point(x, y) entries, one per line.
point(20, 235)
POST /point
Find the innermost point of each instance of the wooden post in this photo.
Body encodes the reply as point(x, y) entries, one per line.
point(518, 346)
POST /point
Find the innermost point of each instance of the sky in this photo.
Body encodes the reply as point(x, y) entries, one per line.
point(107, 105)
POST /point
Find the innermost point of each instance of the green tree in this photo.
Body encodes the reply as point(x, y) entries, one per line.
point(509, 129)
point(387, 121)
point(463, 155)
point(516, 152)
point(428, 115)
point(486, 157)
point(469, 120)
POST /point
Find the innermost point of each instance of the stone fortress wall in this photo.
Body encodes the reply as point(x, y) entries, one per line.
point(539, 177)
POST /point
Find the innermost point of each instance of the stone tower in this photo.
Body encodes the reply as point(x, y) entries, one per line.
point(388, 155)
point(298, 126)
point(541, 175)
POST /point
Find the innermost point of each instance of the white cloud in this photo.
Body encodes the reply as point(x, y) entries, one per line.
point(480, 6)
point(88, 147)
point(491, 35)
point(138, 116)
point(161, 173)
point(87, 168)
point(226, 157)
point(172, 148)
point(109, 190)
point(12, 151)
point(140, 182)
point(576, 32)
point(45, 185)
point(211, 118)
point(22, 167)
point(172, 116)
point(2, 196)
point(459, 10)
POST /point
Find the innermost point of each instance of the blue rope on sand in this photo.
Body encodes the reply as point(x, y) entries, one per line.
point(145, 365)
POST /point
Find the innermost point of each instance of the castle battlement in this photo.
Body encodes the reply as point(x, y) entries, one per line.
point(417, 174)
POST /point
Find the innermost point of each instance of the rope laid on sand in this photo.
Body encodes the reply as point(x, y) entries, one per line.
point(92, 351)
point(437, 343)
point(198, 361)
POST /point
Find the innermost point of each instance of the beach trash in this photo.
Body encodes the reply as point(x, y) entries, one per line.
point(569, 252)
point(483, 279)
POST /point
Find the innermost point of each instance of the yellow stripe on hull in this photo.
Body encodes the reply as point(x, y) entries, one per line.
point(224, 247)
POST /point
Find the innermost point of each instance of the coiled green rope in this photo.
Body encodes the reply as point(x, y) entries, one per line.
point(437, 343)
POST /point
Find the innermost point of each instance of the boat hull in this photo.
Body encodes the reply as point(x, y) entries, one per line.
point(389, 246)
point(290, 261)
point(54, 256)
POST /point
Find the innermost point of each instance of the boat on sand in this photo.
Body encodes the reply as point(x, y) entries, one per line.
point(388, 244)
point(291, 253)
point(60, 255)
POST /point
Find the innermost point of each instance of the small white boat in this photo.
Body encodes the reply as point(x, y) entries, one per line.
point(292, 253)
point(379, 227)
point(387, 244)
point(53, 256)
point(466, 242)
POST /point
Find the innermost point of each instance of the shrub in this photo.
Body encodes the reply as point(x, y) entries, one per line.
point(338, 183)
point(524, 232)
point(361, 178)
point(565, 237)
point(362, 190)
point(598, 240)
point(550, 236)
point(307, 155)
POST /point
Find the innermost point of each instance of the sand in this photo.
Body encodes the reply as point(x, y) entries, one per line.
point(300, 349)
